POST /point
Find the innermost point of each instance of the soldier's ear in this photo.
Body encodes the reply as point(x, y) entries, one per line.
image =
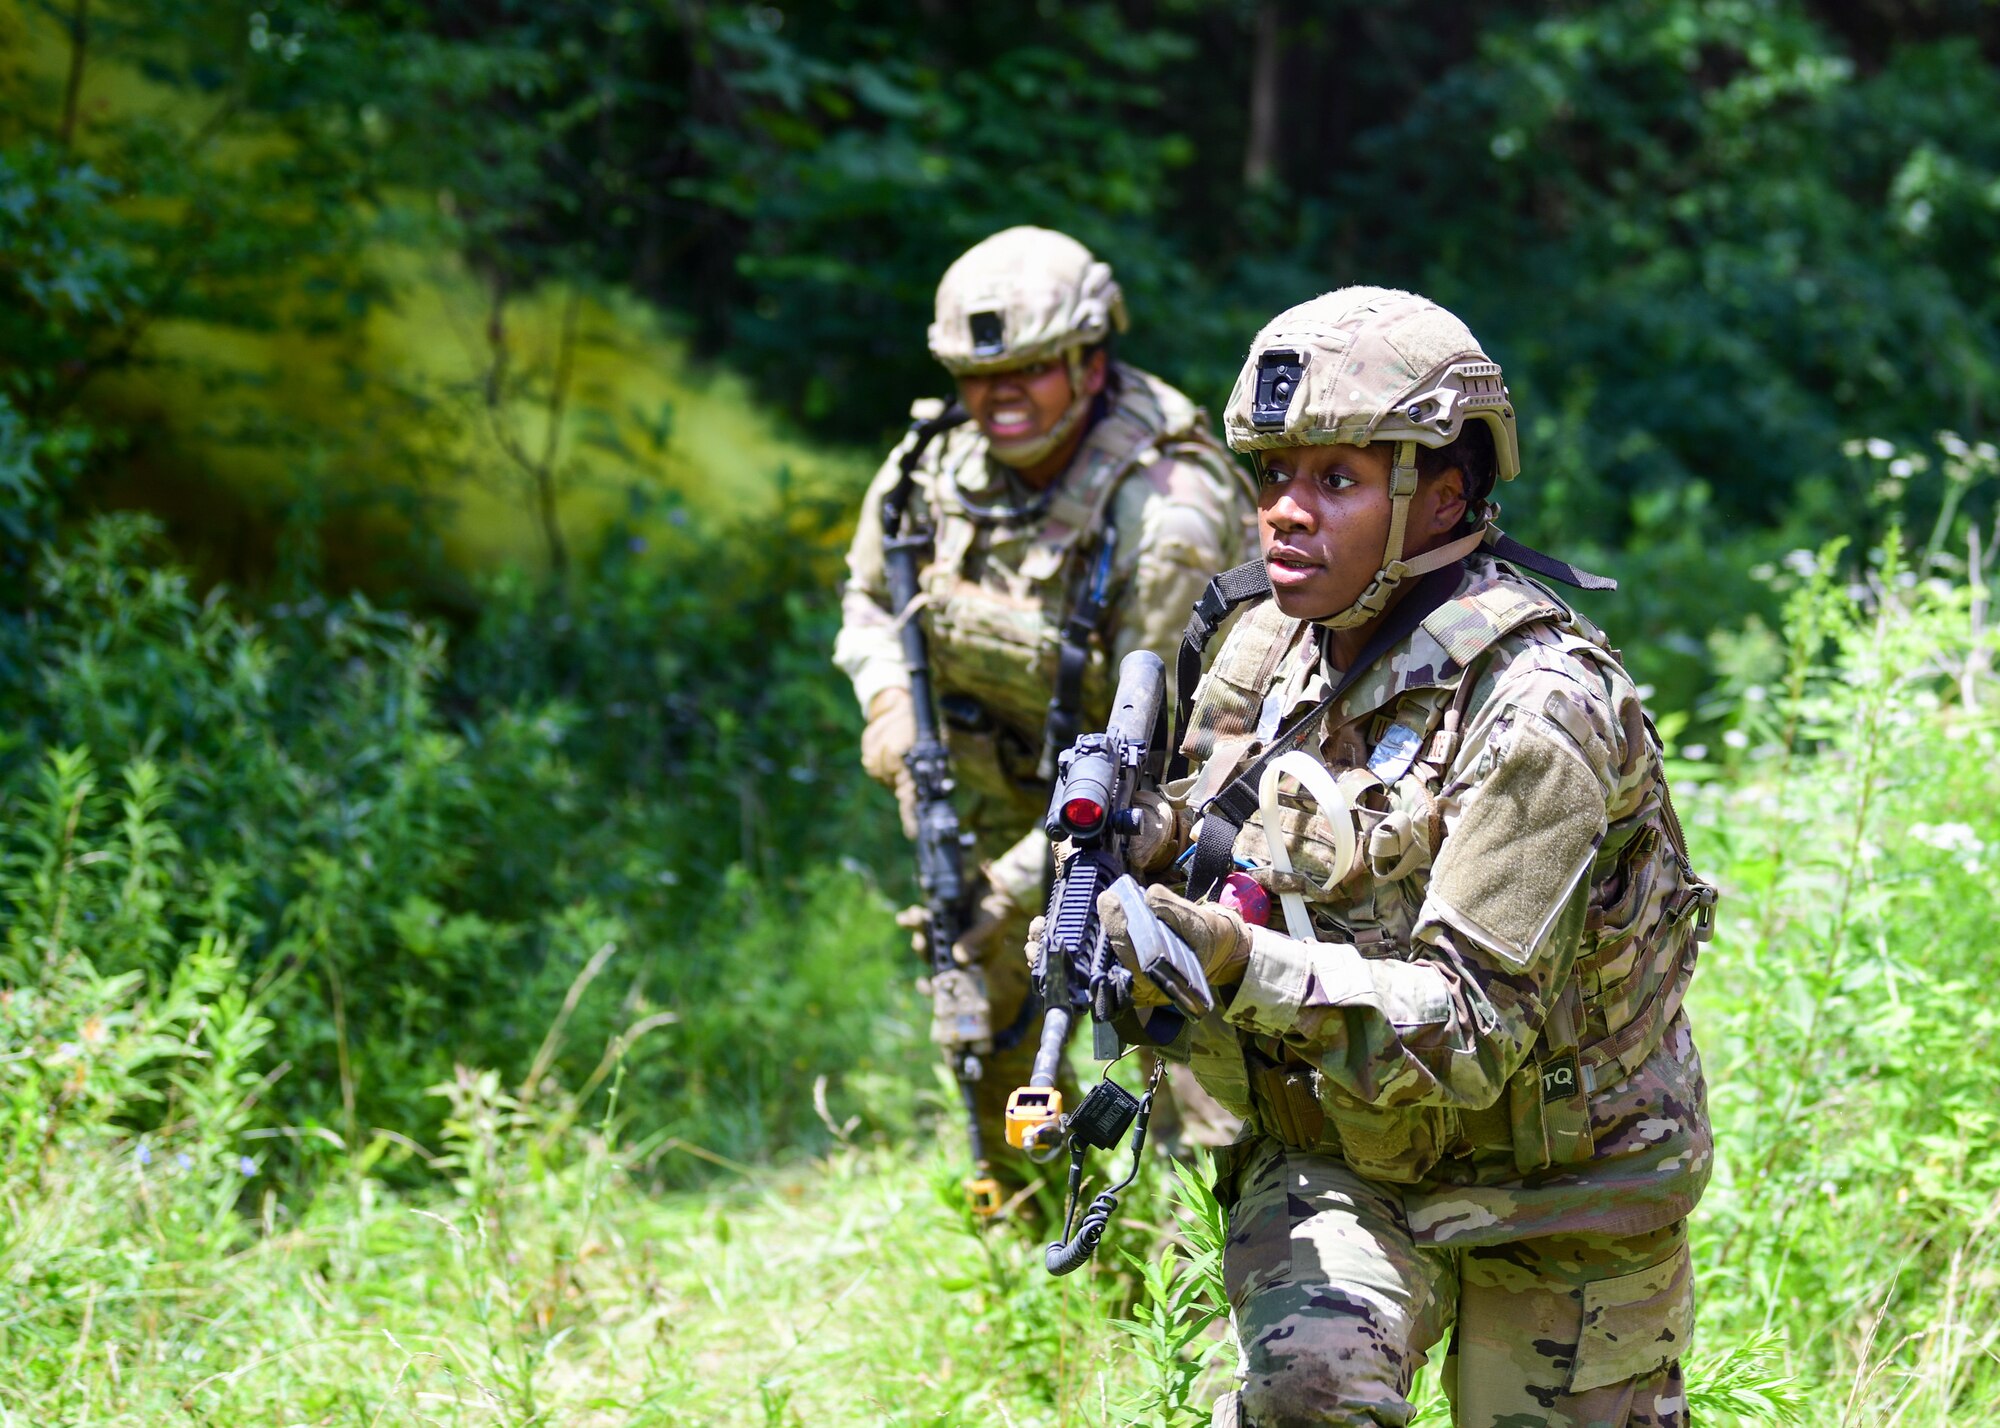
point(1095, 371)
point(1447, 500)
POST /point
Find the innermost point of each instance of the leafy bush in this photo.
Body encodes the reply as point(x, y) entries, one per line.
point(406, 889)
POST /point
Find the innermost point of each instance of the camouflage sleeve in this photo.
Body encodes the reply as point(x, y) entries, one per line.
point(1179, 524)
point(1546, 759)
point(867, 649)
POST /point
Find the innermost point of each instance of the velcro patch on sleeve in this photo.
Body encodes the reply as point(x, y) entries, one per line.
point(1529, 831)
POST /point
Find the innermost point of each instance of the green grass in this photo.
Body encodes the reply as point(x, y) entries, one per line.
point(172, 1252)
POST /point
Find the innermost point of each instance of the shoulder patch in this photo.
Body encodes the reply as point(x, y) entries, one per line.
point(1469, 622)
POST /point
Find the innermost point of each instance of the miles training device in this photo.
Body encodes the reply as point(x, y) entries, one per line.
point(1092, 810)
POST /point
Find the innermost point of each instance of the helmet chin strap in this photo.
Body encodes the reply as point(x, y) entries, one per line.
point(1395, 570)
point(1034, 450)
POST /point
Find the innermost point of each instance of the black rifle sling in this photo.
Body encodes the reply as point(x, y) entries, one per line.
point(1509, 549)
point(1237, 585)
point(1065, 717)
point(926, 431)
point(1223, 816)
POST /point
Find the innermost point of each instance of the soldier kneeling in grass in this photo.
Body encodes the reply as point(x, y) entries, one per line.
point(1475, 1114)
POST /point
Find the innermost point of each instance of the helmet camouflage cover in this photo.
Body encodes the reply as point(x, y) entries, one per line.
point(1369, 364)
point(1024, 295)
point(1363, 365)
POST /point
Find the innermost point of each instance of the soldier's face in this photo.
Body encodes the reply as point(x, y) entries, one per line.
point(1026, 402)
point(1323, 522)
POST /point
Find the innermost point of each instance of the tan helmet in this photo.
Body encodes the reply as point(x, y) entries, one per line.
point(1024, 295)
point(1362, 365)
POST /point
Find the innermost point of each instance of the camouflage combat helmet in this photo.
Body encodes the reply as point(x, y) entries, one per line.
point(1026, 295)
point(1363, 365)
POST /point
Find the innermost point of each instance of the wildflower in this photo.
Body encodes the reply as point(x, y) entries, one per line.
point(181, 1159)
point(1948, 837)
point(245, 1165)
point(143, 1153)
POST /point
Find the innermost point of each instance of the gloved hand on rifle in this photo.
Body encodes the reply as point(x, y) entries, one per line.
point(974, 945)
point(891, 732)
point(1217, 935)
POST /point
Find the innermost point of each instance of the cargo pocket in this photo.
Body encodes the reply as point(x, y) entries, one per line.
point(1635, 1324)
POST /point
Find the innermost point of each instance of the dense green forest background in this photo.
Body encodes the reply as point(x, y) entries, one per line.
point(427, 437)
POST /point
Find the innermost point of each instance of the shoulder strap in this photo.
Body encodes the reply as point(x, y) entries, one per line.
point(924, 431)
point(1065, 716)
point(1092, 596)
point(1238, 585)
point(1509, 549)
point(1223, 817)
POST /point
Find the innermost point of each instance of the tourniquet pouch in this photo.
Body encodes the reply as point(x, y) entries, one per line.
point(1548, 1112)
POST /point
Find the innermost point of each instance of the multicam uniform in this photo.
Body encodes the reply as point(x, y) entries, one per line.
point(1150, 483)
point(1474, 1103)
point(1473, 1094)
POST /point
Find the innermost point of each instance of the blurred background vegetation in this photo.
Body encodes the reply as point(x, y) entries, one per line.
point(427, 437)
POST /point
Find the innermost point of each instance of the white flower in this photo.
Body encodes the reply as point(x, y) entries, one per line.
point(1948, 837)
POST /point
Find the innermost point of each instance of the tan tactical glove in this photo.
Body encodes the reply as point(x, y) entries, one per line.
point(1153, 847)
point(890, 733)
point(975, 944)
point(1218, 937)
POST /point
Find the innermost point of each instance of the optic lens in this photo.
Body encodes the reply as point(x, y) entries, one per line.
point(1083, 814)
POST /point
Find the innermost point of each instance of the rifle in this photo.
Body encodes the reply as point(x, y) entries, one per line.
point(1092, 808)
point(962, 1016)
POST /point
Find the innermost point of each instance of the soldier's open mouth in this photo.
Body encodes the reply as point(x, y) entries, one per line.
point(1289, 567)
point(1010, 421)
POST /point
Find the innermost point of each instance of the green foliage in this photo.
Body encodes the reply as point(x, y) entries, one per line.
point(1841, 1015)
point(412, 888)
point(1181, 1303)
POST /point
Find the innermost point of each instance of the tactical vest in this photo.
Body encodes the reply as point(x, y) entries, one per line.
point(998, 592)
point(1360, 870)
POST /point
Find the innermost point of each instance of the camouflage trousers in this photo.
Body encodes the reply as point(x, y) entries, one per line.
point(1337, 1307)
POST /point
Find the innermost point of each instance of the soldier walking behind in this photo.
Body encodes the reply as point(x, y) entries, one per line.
point(1475, 1112)
point(1074, 516)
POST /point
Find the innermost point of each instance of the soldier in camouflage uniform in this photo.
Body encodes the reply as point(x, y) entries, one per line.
point(1075, 469)
point(1476, 1115)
